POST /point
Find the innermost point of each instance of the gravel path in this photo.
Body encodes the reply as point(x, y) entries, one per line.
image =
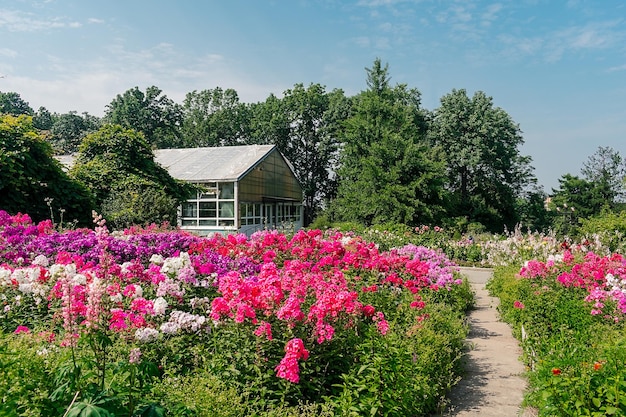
point(493, 384)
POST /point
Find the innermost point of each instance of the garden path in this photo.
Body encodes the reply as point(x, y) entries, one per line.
point(493, 384)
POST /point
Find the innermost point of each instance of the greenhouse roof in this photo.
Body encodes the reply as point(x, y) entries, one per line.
point(211, 164)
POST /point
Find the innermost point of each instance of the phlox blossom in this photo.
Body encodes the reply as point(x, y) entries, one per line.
point(381, 324)
point(264, 329)
point(21, 329)
point(288, 367)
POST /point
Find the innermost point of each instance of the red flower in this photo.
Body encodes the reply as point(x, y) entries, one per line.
point(556, 371)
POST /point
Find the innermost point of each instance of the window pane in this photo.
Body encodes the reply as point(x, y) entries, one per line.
point(227, 190)
point(227, 209)
point(227, 222)
point(207, 209)
point(208, 222)
point(190, 209)
point(209, 194)
point(187, 222)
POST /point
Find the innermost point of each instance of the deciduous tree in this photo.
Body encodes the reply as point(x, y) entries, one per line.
point(69, 129)
point(485, 169)
point(32, 181)
point(214, 118)
point(118, 166)
point(607, 169)
point(151, 113)
point(12, 103)
point(310, 143)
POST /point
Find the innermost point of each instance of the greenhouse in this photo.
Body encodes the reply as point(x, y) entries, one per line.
point(255, 179)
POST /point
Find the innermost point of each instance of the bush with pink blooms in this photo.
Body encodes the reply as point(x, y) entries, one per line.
point(569, 312)
point(114, 323)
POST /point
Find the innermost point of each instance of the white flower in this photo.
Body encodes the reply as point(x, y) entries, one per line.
point(117, 298)
point(41, 260)
point(79, 279)
point(169, 328)
point(159, 306)
point(146, 335)
point(156, 259)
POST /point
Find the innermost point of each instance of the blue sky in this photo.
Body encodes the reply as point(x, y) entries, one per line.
point(558, 68)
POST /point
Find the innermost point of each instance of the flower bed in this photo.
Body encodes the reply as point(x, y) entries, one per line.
point(119, 322)
point(569, 312)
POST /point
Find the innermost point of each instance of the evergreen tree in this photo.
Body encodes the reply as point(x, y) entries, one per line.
point(388, 172)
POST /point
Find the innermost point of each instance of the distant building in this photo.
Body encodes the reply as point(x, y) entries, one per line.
point(244, 188)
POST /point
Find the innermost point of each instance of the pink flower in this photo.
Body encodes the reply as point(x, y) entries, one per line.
point(21, 329)
point(381, 324)
point(288, 367)
point(134, 356)
point(518, 304)
point(264, 329)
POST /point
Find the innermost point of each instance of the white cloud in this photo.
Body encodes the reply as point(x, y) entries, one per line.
point(15, 21)
point(617, 68)
point(9, 53)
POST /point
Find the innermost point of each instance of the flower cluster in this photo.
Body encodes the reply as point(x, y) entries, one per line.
point(145, 285)
point(604, 278)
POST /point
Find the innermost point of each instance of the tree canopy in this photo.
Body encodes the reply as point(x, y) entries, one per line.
point(388, 172)
point(152, 113)
point(117, 165)
point(32, 181)
point(11, 103)
point(485, 170)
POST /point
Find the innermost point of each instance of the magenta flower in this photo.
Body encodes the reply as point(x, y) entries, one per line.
point(21, 329)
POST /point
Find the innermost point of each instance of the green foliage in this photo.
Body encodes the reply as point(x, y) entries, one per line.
point(151, 113)
point(608, 227)
point(68, 130)
point(118, 166)
point(576, 360)
point(11, 103)
point(575, 199)
point(407, 371)
point(607, 168)
point(32, 181)
point(214, 118)
point(25, 384)
point(485, 170)
point(312, 117)
point(388, 172)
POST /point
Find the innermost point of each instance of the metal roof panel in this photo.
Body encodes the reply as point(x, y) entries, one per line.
point(211, 164)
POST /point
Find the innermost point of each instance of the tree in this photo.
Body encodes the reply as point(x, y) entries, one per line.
point(118, 166)
point(214, 118)
point(32, 181)
point(43, 119)
point(388, 172)
point(607, 169)
point(68, 130)
point(533, 211)
point(12, 103)
point(310, 142)
point(576, 199)
point(486, 172)
point(151, 113)
point(268, 122)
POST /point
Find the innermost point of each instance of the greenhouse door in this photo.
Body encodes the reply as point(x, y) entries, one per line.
point(268, 213)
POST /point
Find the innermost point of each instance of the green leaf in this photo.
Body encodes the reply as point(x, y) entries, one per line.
point(82, 409)
point(151, 410)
